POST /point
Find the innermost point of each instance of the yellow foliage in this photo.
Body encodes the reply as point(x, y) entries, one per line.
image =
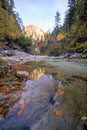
point(12, 20)
point(8, 25)
point(61, 36)
point(13, 30)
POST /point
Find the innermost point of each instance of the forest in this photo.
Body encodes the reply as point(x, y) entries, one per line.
point(70, 37)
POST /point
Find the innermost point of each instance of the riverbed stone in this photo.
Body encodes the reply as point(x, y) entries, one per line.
point(22, 74)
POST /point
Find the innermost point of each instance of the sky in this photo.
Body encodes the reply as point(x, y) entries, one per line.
point(40, 12)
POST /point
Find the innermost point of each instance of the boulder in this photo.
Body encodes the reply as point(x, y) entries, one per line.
point(7, 52)
point(22, 74)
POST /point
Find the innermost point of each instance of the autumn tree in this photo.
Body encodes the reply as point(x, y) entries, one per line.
point(10, 22)
point(61, 37)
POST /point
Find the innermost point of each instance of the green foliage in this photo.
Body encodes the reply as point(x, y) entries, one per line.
point(55, 50)
point(57, 19)
point(81, 47)
point(3, 23)
point(70, 15)
point(56, 29)
point(3, 4)
point(25, 43)
point(75, 26)
point(9, 22)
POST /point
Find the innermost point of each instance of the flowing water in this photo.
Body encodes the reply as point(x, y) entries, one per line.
point(38, 106)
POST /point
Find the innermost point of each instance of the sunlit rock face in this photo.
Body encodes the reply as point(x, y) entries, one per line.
point(36, 74)
point(34, 32)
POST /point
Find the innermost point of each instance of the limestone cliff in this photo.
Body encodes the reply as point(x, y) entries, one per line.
point(34, 32)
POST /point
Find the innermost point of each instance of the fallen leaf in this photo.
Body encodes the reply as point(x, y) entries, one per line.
point(5, 91)
point(20, 112)
point(60, 93)
point(78, 85)
point(58, 113)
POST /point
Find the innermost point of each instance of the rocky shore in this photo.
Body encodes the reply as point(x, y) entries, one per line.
point(15, 69)
point(71, 56)
point(19, 57)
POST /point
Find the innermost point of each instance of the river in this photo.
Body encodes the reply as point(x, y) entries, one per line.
point(39, 107)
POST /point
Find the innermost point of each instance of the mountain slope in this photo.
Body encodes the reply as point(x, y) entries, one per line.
point(34, 32)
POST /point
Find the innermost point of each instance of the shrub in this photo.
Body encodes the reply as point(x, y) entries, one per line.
point(24, 42)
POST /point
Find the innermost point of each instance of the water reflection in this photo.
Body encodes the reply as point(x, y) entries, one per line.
point(37, 73)
point(33, 104)
point(38, 106)
point(7, 101)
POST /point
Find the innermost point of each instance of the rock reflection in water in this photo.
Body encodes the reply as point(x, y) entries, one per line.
point(32, 106)
point(37, 73)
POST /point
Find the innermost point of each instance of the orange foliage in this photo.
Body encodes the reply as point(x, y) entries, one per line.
point(78, 85)
point(58, 113)
point(60, 37)
point(5, 91)
point(60, 93)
